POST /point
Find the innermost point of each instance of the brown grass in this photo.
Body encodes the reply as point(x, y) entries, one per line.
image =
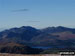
point(4, 54)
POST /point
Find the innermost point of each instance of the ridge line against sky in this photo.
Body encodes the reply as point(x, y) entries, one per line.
point(37, 13)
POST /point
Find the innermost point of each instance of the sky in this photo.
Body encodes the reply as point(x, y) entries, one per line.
point(37, 13)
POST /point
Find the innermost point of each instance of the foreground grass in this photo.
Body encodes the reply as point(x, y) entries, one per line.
point(5, 54)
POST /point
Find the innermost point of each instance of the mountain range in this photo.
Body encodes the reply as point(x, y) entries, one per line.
point(53, 37)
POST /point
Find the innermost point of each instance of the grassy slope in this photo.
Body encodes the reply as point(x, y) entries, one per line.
point(29, 55)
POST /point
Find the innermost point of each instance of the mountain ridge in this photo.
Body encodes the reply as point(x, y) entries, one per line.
point(50, 36)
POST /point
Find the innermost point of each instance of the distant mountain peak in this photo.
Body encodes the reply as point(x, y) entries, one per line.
point(61, 27)
point(26, 27)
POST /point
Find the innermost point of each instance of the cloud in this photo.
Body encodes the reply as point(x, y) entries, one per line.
point(32, 21)
point(20, 10)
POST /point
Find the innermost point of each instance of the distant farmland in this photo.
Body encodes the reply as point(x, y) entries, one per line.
point(4, 54)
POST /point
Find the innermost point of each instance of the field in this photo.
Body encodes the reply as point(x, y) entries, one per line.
point(4, 54)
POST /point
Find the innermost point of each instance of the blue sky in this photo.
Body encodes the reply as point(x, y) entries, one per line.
point(40, 13)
